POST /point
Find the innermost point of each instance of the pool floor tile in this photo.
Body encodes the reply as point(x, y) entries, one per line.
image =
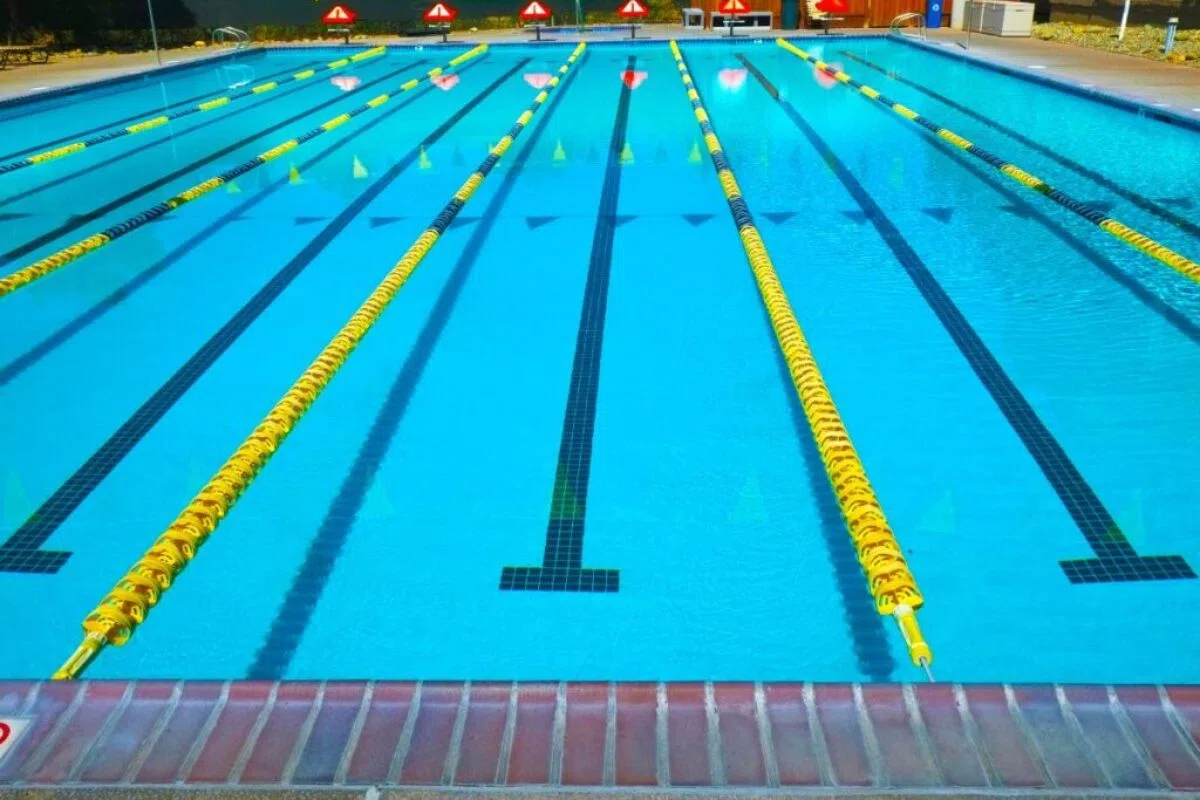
point(1132, 740)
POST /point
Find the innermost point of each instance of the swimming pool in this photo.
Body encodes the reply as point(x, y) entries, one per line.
point(583, 366)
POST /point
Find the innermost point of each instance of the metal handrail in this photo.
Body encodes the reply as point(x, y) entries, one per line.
point(240, 37)
point(895, 26)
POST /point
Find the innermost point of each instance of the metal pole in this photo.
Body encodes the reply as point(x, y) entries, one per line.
point(1124, 19)
point(154, 31)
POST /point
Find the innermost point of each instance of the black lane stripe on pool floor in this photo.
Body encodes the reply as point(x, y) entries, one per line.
point(62, 335)
point(278, 649)
point(21, 552)
point(1116, 559)
point(150, 113)
point(79, 220)
point(1139, 200)
point(562, 567)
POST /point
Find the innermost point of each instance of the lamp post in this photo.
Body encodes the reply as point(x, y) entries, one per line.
point(153, 31)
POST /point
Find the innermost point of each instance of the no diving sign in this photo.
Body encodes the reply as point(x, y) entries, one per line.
point(11, 729)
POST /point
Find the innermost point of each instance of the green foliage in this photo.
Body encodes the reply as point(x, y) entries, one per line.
point(1145, 41)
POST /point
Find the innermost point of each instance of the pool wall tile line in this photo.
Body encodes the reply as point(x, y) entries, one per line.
point(787, 737)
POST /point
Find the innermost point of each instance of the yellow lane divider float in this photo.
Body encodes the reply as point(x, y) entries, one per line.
point(1133, 238)
point(199, 108)
point(52, 263)
point(891, 583)
point(126, 606)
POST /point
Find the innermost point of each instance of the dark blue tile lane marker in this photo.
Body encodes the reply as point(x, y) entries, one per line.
point(21, 552)
point(275, 655)
point(32, 356)
point(562, 567)
point(1116, 559)
point(79, 220)
point(151, 143)
point(1142, 202)
point(147, 113)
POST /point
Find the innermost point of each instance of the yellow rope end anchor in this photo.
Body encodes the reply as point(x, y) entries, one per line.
point(918, 649)
point(85, 654)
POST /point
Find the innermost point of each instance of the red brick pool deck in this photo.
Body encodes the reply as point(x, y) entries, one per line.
point(935, 739)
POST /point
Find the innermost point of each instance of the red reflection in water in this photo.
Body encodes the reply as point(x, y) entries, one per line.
point(347, 83)
point(732, 80)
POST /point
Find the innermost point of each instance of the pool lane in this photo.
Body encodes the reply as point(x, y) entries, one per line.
point(22, 551)
point(1065, 338)
point(1154, 158)
point(278, 649)
point(158, 107)
point(92, 182)
point(1157, 208)
point(151, 123)
point(1115, 557)
point(176, 456)
point(1010, 169)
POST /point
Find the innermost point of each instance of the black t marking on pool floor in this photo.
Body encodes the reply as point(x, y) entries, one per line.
point(1116, 560)
point(292, 620)
point(562, 567)
point(21, 551)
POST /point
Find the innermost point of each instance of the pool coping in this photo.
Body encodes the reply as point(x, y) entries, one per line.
point(1109, 97)
point(616, 738)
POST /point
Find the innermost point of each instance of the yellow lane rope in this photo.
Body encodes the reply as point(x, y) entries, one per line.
point(126, 606)
point(1131, 237)
point(199, 108)
point(888, 577)
point(52, 263)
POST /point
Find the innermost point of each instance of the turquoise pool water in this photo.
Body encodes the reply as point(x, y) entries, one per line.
point(584, 356)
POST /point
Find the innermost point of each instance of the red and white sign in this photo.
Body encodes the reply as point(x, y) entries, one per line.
point(731, 80)
point(11, 729)
point(347, 83)
point(440, 12)
point(535, 11)
point(631, 9)
point(538, 80)
point(340, 15)
point(734, 7)
point(445, 82)
point(634, 79)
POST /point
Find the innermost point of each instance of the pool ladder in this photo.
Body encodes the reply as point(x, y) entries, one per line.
point(894, 28)
point(240, 39)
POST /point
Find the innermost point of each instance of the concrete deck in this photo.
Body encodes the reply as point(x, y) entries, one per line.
point(1175, 86)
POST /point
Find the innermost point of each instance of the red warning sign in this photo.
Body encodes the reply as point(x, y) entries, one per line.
point(340, 15)
point(634, 78)
point(631, 9)
point(734, 7)
point(535, 11)
point(440, 12)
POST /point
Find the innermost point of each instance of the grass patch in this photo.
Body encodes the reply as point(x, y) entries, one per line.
point(1145, 41)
